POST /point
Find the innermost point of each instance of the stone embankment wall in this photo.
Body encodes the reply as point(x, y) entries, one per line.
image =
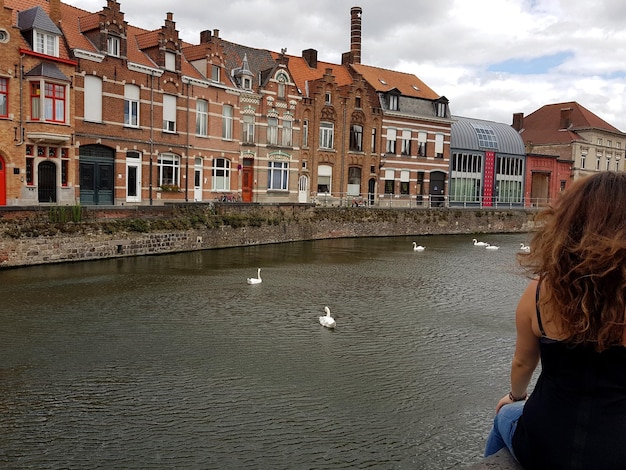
point(62, 234)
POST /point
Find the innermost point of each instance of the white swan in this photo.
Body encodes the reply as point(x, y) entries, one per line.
point(257, 279)
point(417, 247)
point(477, 243)
point(491, 247)
point(327, 320)
point(524, 248)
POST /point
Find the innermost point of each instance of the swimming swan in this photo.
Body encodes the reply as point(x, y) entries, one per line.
point(524, 248)
point(417, 247)
point(257, 279)
point(477, 243)
point(491, 247)
point(327, 320)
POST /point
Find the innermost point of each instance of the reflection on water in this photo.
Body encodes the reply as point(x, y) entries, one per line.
point(175, 362)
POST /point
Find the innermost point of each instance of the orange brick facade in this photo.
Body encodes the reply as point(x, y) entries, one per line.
point(141, 117)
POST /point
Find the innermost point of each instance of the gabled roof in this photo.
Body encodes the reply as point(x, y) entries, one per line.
point(89, 22)
point(259, 60)
point(36, 18)
point(544, 126)
point(384, 80)
point(302, 73)
point(72, 19)
point(464, 135)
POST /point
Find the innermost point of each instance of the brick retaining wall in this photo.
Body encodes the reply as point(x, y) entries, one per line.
point(51, 235)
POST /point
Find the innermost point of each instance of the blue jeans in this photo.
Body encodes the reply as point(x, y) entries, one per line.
point(504, 425)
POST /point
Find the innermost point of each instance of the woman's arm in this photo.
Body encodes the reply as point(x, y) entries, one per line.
point(526, 355)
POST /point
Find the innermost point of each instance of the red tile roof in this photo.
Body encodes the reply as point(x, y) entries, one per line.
point(407, 84)
point(302, 72)
point(543, 126)
point(22, 5)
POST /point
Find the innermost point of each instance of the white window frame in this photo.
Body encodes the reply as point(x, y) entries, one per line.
point(169, 169)
point(406, 142)
point(422, 138)
point(93, 99)
point(393, 103)
point(439, 145)
point(247, 126)
point(287, 139)
point(169, 113)
point(131, 105)
point(220, 174)
point(202, 117)
point(272, 131)
point(227, 122)
point(324, 178)
point(327, 134)
point(391, 141)
point(46, 43)
point(215, 73)
point(278, 175)
point(113, 46)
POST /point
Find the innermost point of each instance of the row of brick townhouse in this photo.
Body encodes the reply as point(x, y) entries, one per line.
point(96, 111)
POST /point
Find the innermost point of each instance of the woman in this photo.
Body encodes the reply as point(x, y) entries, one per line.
point(572, 317)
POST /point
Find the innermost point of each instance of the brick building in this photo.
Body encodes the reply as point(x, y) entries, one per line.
point(370, 135)
point(135, 116)
point(566, 141)
point(37, 161)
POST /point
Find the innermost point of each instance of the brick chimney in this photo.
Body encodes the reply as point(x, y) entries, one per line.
point(310, 57)
point(355, 34)
point(518, 121)
point(205, 36)
point(55, 11)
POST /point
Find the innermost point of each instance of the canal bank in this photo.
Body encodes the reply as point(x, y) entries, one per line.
point(56, 234)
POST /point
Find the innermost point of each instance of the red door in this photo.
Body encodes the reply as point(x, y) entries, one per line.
point(247, 180)
point(3, 184)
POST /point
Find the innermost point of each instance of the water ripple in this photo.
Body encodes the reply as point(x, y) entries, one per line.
point(175, 362)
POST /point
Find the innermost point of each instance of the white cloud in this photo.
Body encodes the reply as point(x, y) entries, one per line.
point(449, 44)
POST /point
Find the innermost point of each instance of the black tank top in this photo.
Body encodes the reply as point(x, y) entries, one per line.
point(575, 417)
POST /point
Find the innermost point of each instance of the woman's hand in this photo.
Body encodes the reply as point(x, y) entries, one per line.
point(505, 400)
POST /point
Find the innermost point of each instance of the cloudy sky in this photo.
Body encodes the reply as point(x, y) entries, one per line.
point(490, 58)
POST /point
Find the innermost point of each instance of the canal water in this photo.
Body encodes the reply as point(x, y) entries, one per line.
point(175, 361)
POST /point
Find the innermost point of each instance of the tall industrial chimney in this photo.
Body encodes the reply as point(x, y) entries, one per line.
point(355, 34)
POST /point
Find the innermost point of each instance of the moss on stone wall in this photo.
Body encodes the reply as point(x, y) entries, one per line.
point(134, 231)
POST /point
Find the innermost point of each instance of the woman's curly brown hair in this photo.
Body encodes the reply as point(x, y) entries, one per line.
point(579, 253)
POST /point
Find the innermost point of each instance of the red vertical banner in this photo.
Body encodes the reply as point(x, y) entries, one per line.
point(490, 166)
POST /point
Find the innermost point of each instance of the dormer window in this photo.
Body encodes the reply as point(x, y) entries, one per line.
point(393, 103)
point(170, 61)
point(441, 109)
point(46, 43)
point(113, 46)
point(215, 73)
point(247, 83)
